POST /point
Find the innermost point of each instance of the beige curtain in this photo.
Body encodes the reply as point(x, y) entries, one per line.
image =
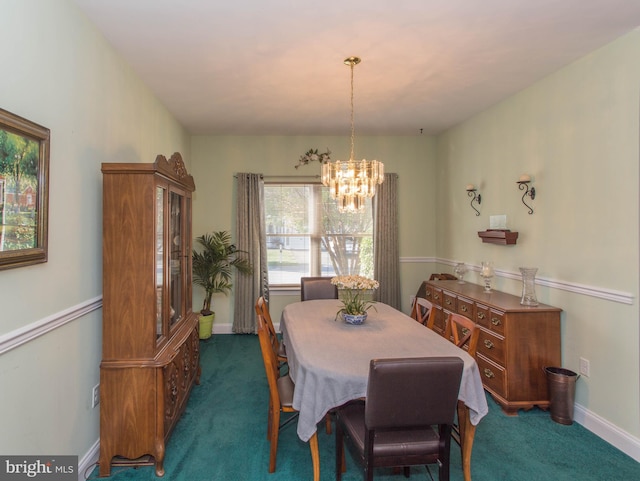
point(251, 238)
point(386, 251)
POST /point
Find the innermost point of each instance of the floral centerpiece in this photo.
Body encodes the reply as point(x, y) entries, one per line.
point(353, 291)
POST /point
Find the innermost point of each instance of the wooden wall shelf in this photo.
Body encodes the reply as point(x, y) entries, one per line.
point(495, 236)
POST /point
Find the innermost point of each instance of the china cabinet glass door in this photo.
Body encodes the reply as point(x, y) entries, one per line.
point(176, 257)
point(160, 196)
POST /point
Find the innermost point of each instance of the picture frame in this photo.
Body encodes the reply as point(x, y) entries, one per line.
point(24, 191)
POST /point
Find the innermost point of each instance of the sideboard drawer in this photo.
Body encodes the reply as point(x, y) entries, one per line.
point(493, 376)
point(437, 296)
point(492, 346)
point(496, 321)
point(465, 307)
point(482, 316)
point(439, 322)
point(428, 293)
point(449, 301)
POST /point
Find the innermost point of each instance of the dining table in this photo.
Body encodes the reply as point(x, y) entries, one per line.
point(329, 361)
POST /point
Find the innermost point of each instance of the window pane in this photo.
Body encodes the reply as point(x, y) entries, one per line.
point(307, 236)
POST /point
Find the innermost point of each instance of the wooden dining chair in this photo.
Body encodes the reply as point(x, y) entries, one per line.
point(407, 416)
point(444, 276)
point(463, 332)
point(281, 389)
point(422, 312)
point(317, 288)
point(262, 309)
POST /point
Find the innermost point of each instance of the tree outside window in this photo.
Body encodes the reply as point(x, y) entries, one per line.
point(307, 236)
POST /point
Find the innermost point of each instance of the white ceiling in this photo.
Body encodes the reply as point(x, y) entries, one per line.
point(276, 66)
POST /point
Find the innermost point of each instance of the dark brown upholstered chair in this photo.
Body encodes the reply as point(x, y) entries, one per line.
point(262, 309)
point(407, 416)
point(281, 390)
point(422, 312)
point(317, 288)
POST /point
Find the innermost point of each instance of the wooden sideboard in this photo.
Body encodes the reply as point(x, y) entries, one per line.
point(516, 342)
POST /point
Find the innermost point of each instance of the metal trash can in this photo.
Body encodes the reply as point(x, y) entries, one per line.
point(562, 393)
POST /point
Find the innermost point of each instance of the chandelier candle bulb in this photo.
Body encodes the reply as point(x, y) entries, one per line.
point(470, 187)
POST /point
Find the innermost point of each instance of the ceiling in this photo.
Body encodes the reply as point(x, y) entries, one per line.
point(276, 66)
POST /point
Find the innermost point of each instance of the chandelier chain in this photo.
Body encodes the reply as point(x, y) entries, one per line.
point(352, 63)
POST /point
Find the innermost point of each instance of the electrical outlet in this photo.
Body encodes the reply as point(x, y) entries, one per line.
point(584, 367)
point(95, 395)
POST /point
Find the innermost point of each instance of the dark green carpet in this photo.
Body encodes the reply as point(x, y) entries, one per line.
point(222, 436)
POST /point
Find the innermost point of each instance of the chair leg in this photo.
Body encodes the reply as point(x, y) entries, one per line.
point(339, 452)
point(327, 421)
point(407, 472)
point(368, 471)
point(275, 430)
point(315, 456)
point(269, 421)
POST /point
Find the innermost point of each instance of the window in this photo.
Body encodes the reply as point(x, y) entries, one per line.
point(307, 236)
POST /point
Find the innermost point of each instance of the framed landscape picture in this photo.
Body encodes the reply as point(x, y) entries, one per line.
point(24, 191)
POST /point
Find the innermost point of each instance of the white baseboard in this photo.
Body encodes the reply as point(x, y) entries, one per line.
point(88, 461)
point(602, 428)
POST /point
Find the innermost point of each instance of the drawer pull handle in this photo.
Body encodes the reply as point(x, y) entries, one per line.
point(496, 321)
point(463, 308)
point(436, 297)
point(488, 373)
point(465, 331)
point(448, 302)
point(488, 344)
point(428, 294)
point(481, 315)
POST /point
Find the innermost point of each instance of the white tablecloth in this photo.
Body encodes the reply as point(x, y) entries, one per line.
point(329, 359)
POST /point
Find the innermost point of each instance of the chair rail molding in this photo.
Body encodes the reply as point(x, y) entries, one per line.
point(27, 333)
point(591, 291)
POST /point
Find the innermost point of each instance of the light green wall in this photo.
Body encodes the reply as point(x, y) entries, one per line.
point(59, 72)
point(576, 133)
point(216, 159)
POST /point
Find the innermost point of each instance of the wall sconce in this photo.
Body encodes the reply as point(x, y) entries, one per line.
point(523, 184)
point(471, 192)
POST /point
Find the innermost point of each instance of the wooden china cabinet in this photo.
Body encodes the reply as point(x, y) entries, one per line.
point(150, 344)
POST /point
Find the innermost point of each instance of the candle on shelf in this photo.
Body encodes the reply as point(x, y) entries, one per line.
point(524, 178)
point(470, 187)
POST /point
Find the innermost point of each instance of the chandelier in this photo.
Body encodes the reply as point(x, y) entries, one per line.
point(351, 182)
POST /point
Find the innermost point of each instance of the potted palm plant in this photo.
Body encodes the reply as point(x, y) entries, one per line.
point(214, 260)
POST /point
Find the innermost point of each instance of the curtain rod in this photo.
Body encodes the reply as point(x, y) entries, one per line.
point(298, 177)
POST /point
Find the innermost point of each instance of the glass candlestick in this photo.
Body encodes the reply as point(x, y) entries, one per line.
point(529, 286)
point(460, 270)
point(486, 272)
